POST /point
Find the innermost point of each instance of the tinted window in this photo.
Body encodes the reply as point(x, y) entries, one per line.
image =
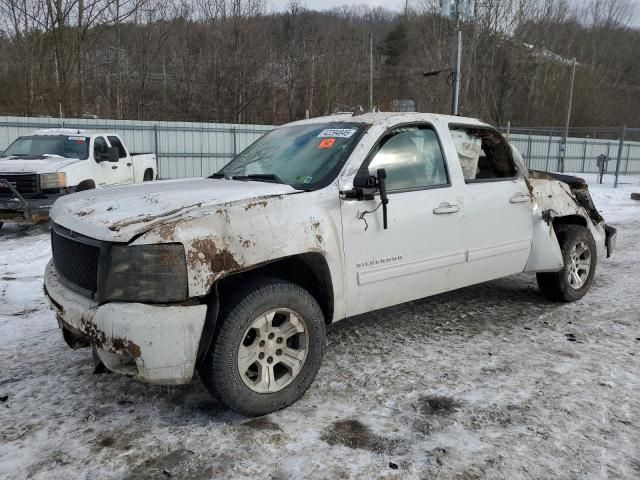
point(483, 154)
point(115, 142)
point(412, 158)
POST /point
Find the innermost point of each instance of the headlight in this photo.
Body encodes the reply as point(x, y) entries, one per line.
point(147, 273)
point(49, 181)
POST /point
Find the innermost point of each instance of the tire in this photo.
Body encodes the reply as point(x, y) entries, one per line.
point(148, 176)
point(258, 320)
point(557, 286)
point(86, 185)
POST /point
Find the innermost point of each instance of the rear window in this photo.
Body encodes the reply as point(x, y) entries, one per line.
point(483, 153)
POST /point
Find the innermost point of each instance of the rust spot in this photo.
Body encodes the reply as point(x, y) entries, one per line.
point(319, 238)
point(246, 243)
point(167, 232)
point(261, 203)
point(315, 225)
point(205, 252)
point(95, 335)
point(125, 345)
point(115, 344)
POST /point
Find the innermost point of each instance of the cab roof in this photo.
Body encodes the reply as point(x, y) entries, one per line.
point(391, 118)
point(70, 132)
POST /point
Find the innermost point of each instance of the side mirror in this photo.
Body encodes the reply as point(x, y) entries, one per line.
point(112, 154)
point(365, 187)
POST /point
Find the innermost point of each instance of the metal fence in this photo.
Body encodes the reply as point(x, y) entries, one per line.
point(183, 149)
point(542, 148)
point(187, 149)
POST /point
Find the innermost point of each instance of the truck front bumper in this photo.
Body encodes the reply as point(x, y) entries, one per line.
point(17, 209)
point(155, 344)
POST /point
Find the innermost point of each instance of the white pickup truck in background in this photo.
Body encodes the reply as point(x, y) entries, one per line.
point(37, 169)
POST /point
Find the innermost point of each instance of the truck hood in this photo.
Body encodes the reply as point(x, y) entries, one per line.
point(34, 164)
point(118, 214)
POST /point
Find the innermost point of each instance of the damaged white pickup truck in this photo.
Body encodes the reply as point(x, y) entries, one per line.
point(238, 274)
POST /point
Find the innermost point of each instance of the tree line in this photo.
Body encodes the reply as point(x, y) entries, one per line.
point(235, 61)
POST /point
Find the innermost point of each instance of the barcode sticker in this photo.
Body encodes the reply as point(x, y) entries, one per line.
point(337, 133)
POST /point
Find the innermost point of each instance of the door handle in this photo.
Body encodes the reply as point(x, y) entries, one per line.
point(129, 164)
point(114, 167)
point(446, 208)
point(520, 198)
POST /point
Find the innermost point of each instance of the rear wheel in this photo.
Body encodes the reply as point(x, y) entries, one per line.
point(580, 258)
point(148, 176)
point(267, 348)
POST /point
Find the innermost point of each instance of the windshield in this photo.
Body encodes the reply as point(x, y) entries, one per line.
point(39, 145)
point(307, 157)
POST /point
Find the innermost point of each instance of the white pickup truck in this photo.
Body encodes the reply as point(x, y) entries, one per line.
point(238, 274)
point(36, 169)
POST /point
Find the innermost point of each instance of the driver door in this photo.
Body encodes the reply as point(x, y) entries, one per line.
point(108, 173)
point(423, 250)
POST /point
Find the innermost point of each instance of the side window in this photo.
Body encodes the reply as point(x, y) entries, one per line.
point(483, 153)
point(115, 142)
point(99, 148)
point(412, 158)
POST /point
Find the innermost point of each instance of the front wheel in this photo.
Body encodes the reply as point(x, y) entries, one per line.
point(267, 348)
point(580, 258)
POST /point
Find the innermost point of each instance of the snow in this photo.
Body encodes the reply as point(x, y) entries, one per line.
point(491, 381)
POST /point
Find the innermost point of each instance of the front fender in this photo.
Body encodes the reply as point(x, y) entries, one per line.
point(239, 236)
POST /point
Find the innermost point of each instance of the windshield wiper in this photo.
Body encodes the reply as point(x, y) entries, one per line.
point(260, 177)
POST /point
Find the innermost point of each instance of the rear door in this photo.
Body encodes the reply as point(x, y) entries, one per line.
point(498, 207)
point(423, 250)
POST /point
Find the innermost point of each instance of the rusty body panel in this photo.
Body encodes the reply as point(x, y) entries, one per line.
point(236, 236)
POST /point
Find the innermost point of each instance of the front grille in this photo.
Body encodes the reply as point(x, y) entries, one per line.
point(25, 184)
point(75, 260)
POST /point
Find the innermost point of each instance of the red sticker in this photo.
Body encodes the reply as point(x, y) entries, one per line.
point(327, 143)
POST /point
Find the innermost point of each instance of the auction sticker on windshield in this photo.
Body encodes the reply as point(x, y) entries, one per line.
point(77, 139)
point(327, 143)
point(337, 132)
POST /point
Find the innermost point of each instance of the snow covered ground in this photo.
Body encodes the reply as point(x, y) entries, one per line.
point(492, 381)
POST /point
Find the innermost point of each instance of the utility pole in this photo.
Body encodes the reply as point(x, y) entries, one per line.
point(563, 153)
point(455, 98)
point(370, 72)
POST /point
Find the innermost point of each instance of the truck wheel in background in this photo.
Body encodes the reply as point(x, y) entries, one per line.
point(267, 348)
point(86, 185)
point(148, 175)
point(580, 259)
